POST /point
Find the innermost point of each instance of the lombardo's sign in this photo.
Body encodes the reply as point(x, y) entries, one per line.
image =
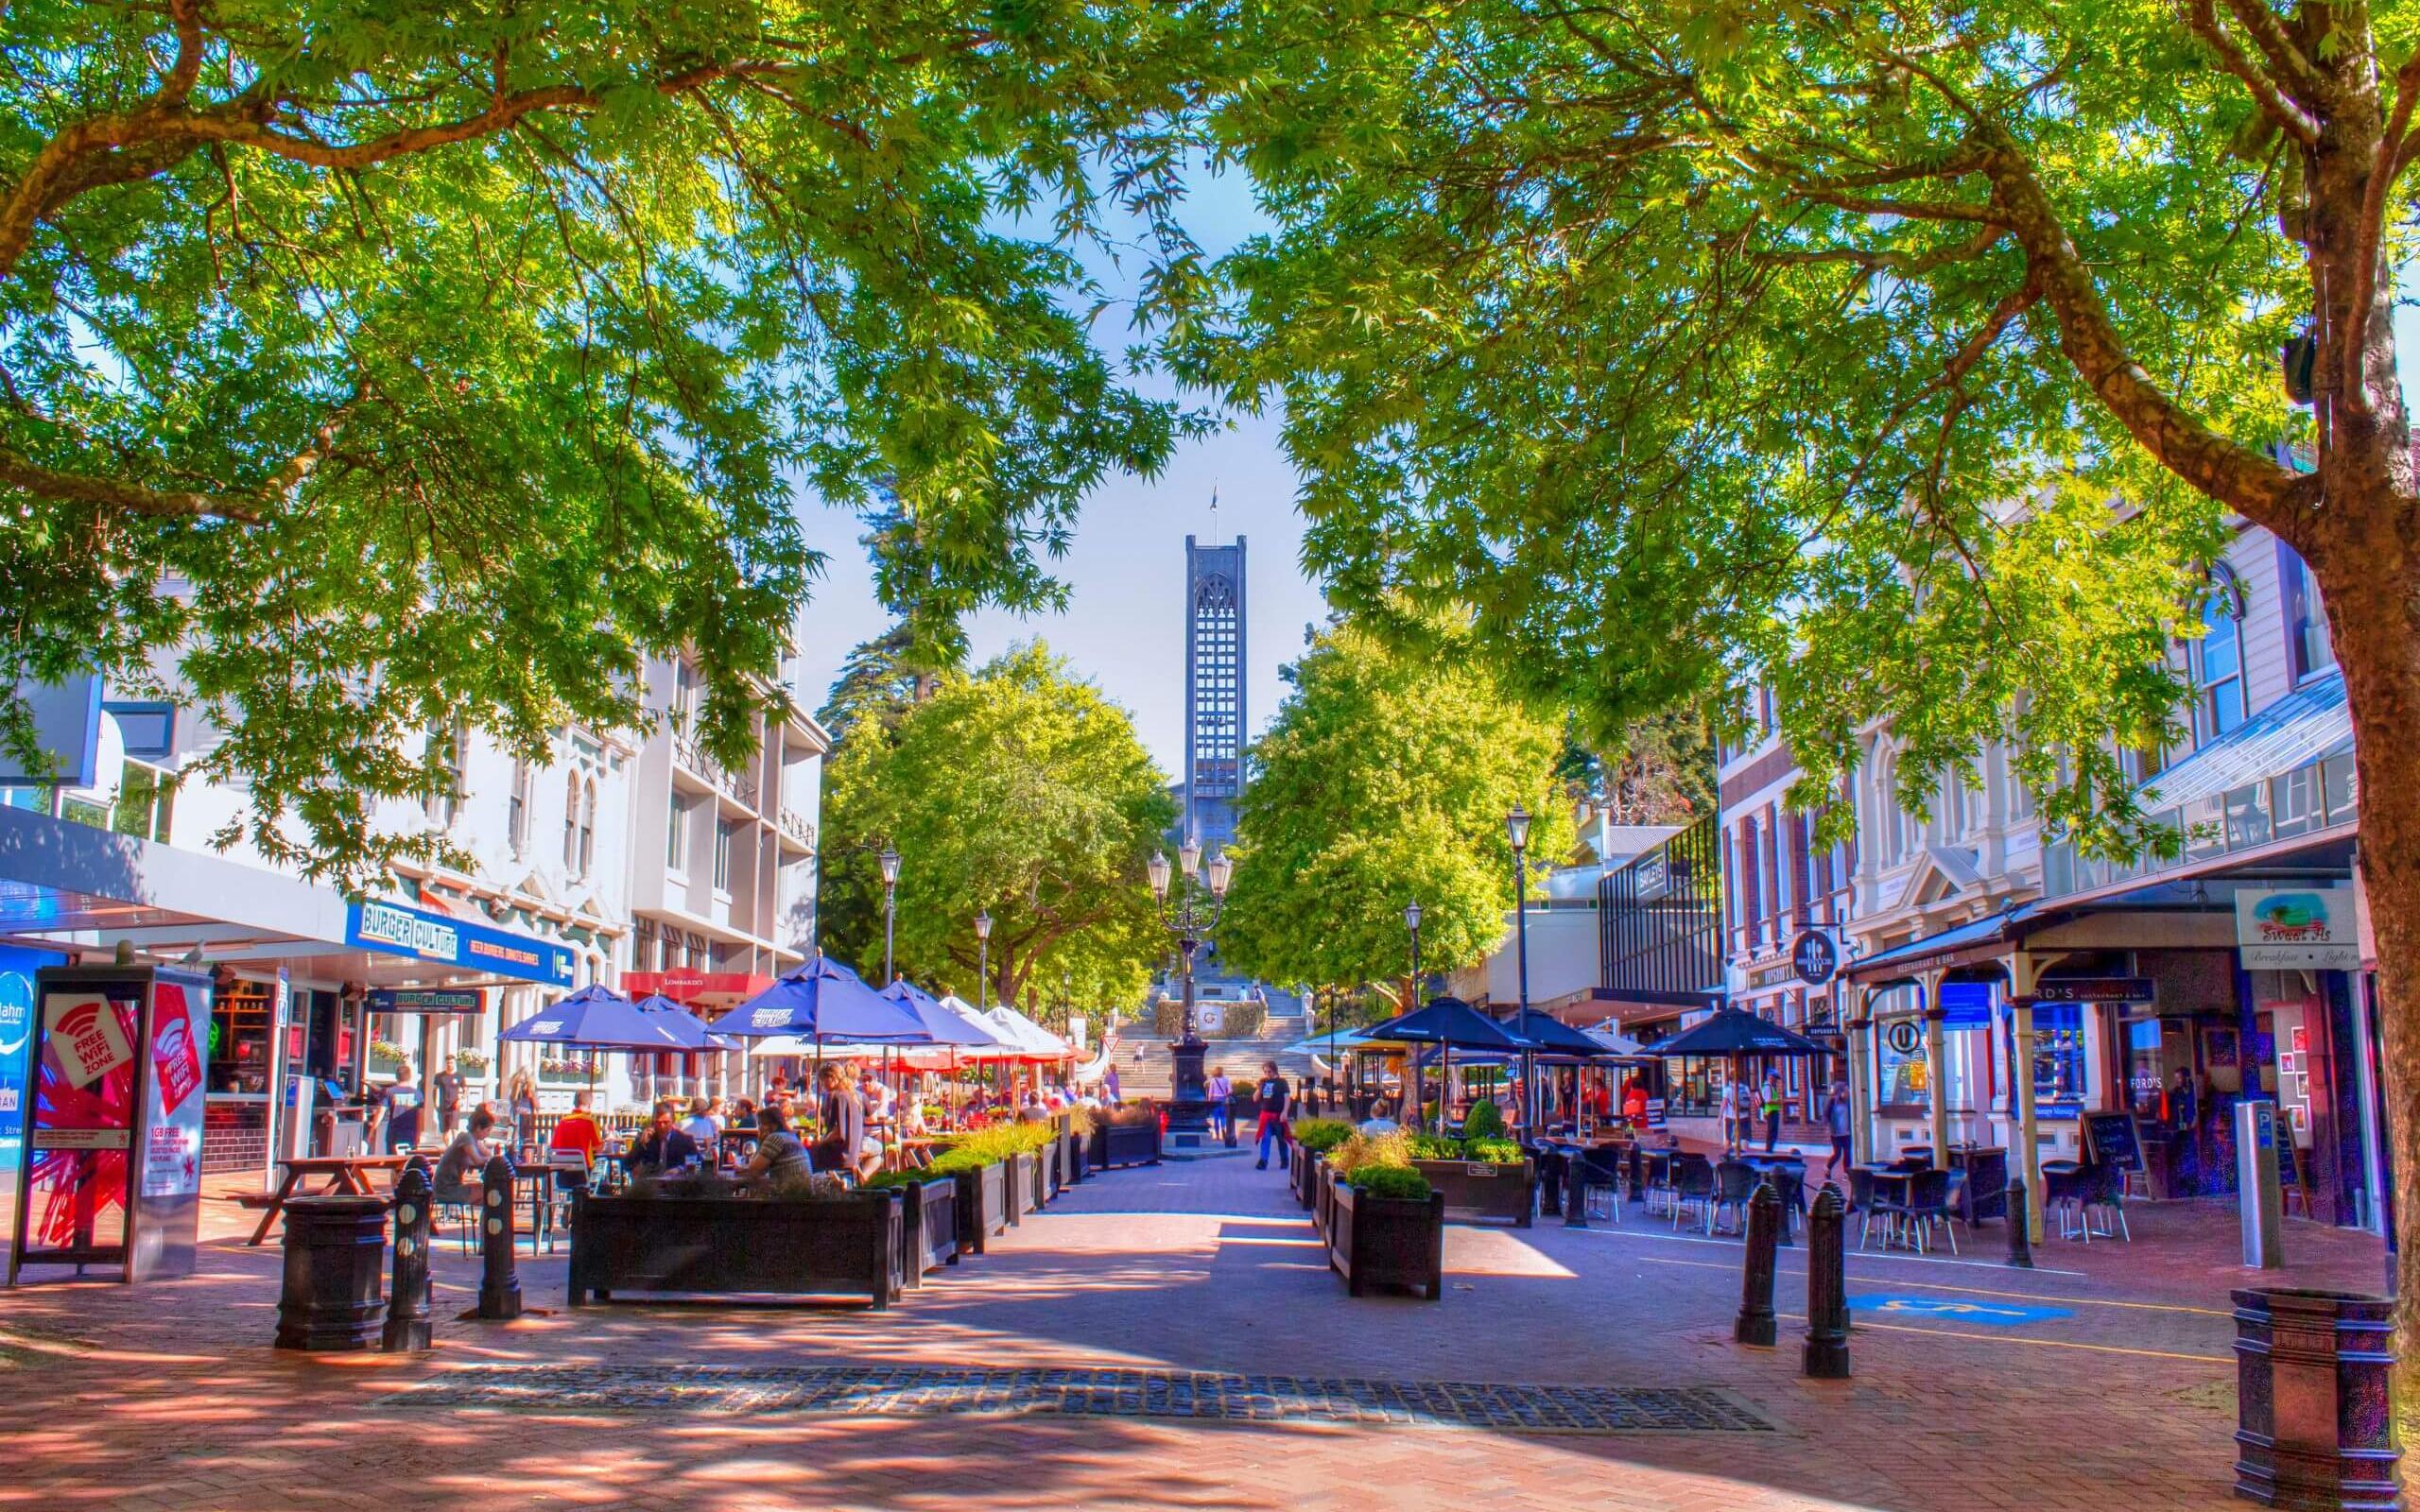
point(2298, 928)
point(1815, 956)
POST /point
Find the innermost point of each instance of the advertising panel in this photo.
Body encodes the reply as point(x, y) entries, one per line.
point(80, 1134)
point(172, 1135)
point(2283, 929)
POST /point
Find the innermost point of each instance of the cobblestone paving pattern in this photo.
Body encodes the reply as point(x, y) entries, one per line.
point(1189, 1394)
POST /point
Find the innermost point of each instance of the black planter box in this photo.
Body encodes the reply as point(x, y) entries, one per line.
point(1046, 1167)
point(1323, 1195)
point(1133, 1140)
point(982, 1206)
point(1298, 1171)
point(1025, 1185)
point(928, 1227)
point(1477, 1191)
point(737, 1246)
point(1072, 1155)
point(1387, 1241)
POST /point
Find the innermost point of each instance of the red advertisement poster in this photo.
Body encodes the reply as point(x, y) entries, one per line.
point(176, 1055)
point(78, 1138)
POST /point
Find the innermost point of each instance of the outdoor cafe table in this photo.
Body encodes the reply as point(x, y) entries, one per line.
point(346, 1176)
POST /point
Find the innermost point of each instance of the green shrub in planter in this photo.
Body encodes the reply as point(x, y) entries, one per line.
point(1391, 1182)
point(1436, 1147)
point(1485, 1120)
point(1320, 1135)
point(1495, 1152)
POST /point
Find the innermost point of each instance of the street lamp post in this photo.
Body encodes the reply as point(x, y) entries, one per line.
point(1411, 923)
point(1516, 827)
point(1190, 919)
point(889, 861)
point(983, 961)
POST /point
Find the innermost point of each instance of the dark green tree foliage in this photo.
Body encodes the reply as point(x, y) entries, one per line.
point(365, 369)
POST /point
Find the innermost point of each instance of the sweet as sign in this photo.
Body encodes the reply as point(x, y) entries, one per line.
point(2297, 929)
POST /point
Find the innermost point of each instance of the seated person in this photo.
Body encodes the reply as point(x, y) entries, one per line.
point(664, 1148)
point(578, 1131)
point(459, 1168)
point(703, 1125)
point(779, 1155)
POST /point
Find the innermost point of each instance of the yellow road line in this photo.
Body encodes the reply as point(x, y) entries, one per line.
point(1974, 1291)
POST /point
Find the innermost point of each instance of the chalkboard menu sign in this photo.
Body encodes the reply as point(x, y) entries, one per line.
point(2115, 1140)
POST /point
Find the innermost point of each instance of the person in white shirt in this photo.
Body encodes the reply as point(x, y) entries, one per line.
point(1217, 1089)
point(703, 1125)
point(1729, 1112)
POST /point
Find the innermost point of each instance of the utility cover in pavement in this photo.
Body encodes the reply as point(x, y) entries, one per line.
point(1206, 1396)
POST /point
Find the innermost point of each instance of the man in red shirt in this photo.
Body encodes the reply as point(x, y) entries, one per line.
point(578, 1130)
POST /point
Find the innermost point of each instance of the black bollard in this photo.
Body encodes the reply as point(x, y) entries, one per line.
point(407, 1300)
point(2021, 1227)
point(500, 1285)
point(1755, 1321)
point(1826, 1356)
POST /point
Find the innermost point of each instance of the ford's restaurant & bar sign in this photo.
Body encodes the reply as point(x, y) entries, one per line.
point(395, 930)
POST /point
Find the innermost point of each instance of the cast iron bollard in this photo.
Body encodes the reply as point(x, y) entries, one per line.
point(1826, 1356)
point(336, 1248)
point(2021, 1227)
point(2315, 1407)
point(407, 1298)
point(500, 1285)
point(1755, 1321)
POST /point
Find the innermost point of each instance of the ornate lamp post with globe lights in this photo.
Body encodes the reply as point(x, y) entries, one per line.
point(889, 861)
point(1189, 907)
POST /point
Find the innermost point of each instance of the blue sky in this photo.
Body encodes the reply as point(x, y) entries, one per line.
point(1124, 624)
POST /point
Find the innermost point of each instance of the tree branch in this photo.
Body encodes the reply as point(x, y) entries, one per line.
point(2297, 75)
point(2202, 17)
point(2370, 230)
point(129, 498)
point(2241, 479)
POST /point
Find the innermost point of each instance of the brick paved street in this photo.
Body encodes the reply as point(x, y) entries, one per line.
point(2102, 1379)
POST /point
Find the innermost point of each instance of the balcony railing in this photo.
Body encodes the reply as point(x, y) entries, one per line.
point(2307, 800)
point(794, 825)
point(693, 755)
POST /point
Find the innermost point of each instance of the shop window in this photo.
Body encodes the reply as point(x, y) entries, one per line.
point(2217, 660)
point(1903, 1074)
point(2059, 1077)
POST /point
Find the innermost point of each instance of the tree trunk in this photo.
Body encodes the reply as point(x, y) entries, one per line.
point(2375, 619)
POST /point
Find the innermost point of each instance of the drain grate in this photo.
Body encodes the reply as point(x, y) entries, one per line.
point(1200, 1396)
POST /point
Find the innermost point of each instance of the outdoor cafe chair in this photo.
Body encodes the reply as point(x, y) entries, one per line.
point(1927, 1203)
point(1861, 1202)
point(1587, 1180)
point(2106, 1189)
point(2066, 1190)
point(1693, 1185)
point(1735, 1182)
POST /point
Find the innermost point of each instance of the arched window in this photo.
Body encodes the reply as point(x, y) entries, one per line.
point(570, 824)
point(587, 829)
point(516, 809)
point(2219, 702)
point(1889, 822)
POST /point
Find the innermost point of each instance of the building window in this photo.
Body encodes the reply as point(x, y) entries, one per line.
point(2217, 659)
point(516, 809)
point(145, 800)
point(149, 730)
point(587, 829)
point(676, 836)
point(448, 751)
point(1750, 863)
point(684, 695)
point(2308, 647)
point(722, 855)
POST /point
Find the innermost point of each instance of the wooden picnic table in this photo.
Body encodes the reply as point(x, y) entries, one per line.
point(346, 1176)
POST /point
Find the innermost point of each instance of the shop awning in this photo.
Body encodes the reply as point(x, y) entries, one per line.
point(2311, 722)
point(1980, 936)
point(70, 886)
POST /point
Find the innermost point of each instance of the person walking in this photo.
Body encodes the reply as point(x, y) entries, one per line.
point(1274, 1102)
point(521, 1096)
point(447, 1086)
point(1773, 1110)
point(403, 1109)
point(1836, 1118)
point(1222, 1119)
point(1728, 1110)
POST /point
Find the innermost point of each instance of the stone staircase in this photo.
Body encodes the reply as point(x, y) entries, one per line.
point(1145, 1067)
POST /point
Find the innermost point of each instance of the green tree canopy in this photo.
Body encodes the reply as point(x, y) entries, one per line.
point(1385, 779)
point(1913, 355)
point(1019, 791)
point(372, 368)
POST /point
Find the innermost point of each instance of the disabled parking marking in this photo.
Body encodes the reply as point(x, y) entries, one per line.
point(1992, 1312)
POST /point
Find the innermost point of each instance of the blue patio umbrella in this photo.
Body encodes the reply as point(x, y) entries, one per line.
point(948, 1026)
point(825, 1000)
point(1451, 1025)
point(599, 1018)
